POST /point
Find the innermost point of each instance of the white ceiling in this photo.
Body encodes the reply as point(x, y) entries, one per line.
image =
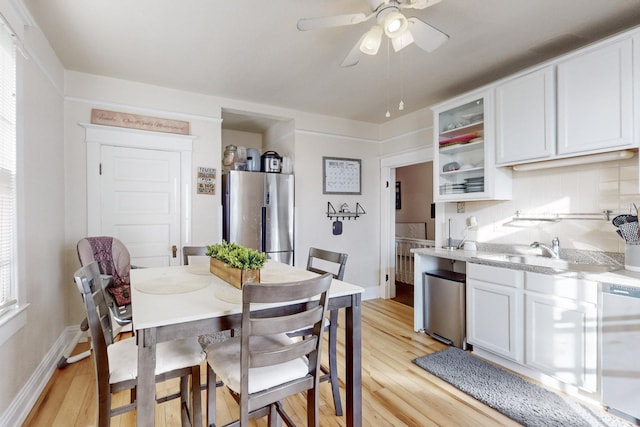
point(251, 50)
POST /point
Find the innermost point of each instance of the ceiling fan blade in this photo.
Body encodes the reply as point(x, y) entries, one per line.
point(306, 24)
point(404, 40)
point(427, 38)
point(353, 57)
point(418, 4)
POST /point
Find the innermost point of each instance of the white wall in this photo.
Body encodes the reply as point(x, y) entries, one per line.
point(360, 238)
point(242, 139)
point(41, 223)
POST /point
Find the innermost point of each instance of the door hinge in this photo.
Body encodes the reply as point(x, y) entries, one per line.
point(386, 277)
point(100, 169)
point(387, 184)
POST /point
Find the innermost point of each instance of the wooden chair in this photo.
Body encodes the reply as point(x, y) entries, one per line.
point(322, 261)
point(116, 363)
point(264, 365)
point(188, 251)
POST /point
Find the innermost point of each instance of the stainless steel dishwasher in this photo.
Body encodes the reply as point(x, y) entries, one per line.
point(444, 307)
point(620, 349)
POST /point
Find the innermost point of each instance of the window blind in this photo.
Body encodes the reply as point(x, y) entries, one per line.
point(7, 167)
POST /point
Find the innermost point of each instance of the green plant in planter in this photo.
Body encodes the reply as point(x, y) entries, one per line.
point(237, 256)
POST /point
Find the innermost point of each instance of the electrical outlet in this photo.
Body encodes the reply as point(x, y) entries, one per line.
point(460, 207)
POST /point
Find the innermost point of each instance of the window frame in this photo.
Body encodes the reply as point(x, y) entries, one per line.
point(14, 317)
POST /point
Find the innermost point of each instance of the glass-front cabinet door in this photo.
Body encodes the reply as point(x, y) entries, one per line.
point(464, 163)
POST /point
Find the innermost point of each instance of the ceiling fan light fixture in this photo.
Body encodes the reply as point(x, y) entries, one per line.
point(395, 24)
point(371, 41)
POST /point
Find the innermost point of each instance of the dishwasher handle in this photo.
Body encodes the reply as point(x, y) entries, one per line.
point(625, 291)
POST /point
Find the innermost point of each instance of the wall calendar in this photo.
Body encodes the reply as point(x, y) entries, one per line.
point(341, 176)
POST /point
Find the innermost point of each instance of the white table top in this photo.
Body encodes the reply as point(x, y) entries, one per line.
point(168, 295)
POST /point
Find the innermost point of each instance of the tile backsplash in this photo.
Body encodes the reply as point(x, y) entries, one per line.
point(569, 190)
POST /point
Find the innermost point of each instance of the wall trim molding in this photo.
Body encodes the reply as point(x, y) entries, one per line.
point(408, 157)
point(143, 110)
point(406, 134)
point(335, 135)
point(23, 403)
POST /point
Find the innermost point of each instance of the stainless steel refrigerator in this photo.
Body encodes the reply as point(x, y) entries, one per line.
point(257, 212)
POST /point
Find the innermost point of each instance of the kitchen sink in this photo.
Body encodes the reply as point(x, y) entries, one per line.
point(555, 264)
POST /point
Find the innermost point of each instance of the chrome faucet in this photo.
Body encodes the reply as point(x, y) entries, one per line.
point(553, 251)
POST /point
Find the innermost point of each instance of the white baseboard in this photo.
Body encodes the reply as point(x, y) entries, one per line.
point(22, 404)
point(371, 293)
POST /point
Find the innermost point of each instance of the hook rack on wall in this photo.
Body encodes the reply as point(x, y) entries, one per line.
point(342, 213)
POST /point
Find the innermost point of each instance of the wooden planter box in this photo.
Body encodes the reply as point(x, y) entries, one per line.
point(234, 276)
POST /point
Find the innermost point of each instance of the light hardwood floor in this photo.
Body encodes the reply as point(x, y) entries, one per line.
point(395, 391)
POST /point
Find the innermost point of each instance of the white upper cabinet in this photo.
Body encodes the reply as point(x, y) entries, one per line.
point(464, 159)
point(525, 118)
point(595, 99)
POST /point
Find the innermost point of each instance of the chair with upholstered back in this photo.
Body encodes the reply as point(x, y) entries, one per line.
point(263, 366)
point(113, 259)
point(116, 362)
point(323, 261)
point(189, 251)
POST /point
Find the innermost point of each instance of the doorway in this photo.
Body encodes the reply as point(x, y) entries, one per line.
point(389, 170)
point(414, 224)
point(113, 178)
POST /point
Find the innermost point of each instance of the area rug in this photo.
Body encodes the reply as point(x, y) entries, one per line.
point(518, 399)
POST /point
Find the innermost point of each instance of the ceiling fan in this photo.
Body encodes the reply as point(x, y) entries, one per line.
point(389, 20)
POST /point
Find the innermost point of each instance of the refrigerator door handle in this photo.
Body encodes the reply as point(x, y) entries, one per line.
point(263, 231)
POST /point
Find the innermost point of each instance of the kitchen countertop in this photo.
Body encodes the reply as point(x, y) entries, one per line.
point(618, 276)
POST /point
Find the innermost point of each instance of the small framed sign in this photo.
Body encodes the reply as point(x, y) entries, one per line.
point(206, 181)
point(341, 176)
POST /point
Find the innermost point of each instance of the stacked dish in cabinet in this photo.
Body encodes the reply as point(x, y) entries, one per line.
point(461, 149)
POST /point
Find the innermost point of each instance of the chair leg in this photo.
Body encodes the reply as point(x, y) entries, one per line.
point(313, 410)
point(333, 361)
point(196, 397)
point(273, 420)
point(184, 401)
point(211, 396)
point(104, 405)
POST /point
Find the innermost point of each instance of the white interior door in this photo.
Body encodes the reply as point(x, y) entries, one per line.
point(140, 202)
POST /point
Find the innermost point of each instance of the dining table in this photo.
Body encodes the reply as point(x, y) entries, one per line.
point(176, 302)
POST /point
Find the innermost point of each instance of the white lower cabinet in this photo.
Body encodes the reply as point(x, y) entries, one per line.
point(544, 322)
point(561, 328)
point(494, 310)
